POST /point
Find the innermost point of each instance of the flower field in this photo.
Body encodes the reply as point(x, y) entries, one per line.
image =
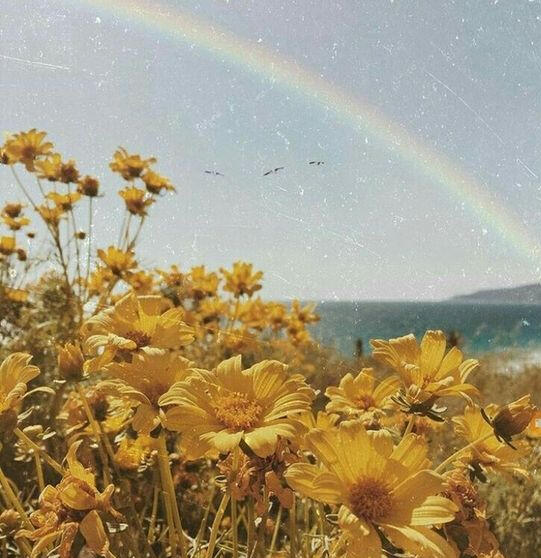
point(153, 413)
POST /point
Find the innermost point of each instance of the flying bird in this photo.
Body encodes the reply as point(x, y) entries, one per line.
point(316, 163)
point(213, 172)
point(273, 171)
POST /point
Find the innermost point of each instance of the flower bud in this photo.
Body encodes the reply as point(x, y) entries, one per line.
point(10, 522)
point(512, 419)
point(70, 362)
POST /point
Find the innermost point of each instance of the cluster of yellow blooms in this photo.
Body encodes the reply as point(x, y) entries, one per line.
point(152, 403)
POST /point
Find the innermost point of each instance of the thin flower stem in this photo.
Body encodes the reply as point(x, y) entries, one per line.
point(216, 525)
point(276, 530)
point(89, 252)
point(39, 472)
point(43, 454)
point(14, 501)
point(96, 431)
point(250, 526)
point(169, 488)
point(204, 522)
point(155, 499)
point(293, 530)
point(452, 457)
point(409, 427)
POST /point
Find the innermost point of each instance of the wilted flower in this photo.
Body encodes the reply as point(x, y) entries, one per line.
point(54, 170)
point(15, 224)
point(512, 419)
point(12, 210)
point(229, 405)
point(88, 186)
point(132, 453)
point(241, 280)
point(379, 487)
point(70, 507)
point(26, 147)
point(51, 215)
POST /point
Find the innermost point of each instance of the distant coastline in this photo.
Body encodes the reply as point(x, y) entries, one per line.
point(524, 294)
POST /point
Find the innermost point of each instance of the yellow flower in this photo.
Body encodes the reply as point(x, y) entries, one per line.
point(51, 215)
point(202, 284)
point(379, 488)
point(12, 210)
point(141, 282)
point(276, 315)
point(143, 381)
point(155, 183)
point(242, 280)
point(212, 310)
point(26, 147)
point(129, 166)
point(16, 295)
point(70, 361)
point(98, 280)
point(172, 278)
point(54, 170)
point(134, 323)
point(15, 372)
point(426, 371)
point(229, 405)
point(118, 261)
point(489, 454)
point(64, 201)
point(136, 200)
point(15, 224)
point(88, 186)
point(131, 453)
point(7, 245)
point(253, 314)
point(72, 506)
point(305, 315)
point(360, 395)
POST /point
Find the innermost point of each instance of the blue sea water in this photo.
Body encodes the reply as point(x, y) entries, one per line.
point(483, 327)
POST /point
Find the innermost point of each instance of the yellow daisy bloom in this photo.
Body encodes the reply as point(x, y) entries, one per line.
point(26, 147)
point(425, 369)
point(7, 245)
point(241, 280)
point(15, 224)
point(201, 283)
point(117, 260)
point(98, 280)
point(15, 373)
point(51, 215)
point(55, 170)
point(131, 453)
point(305, 315)
point(64, 201)
point(129, 166)
point(16, 295)
point(230, 405)
point(489, 454)
point(134, 323)
point(155, 183)
point(380, 488)
point(361, 395)
point(136, 200)
point(143, 381)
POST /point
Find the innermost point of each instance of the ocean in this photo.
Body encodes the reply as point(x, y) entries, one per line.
point(482, 327)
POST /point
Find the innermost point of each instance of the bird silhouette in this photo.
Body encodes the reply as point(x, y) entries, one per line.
point(316, 163)
point(273, 171)
point(213, 172)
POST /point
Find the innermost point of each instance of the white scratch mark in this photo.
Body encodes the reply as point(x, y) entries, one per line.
point(35, 63)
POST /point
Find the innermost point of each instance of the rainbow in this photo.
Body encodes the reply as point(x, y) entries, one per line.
point(351, 109)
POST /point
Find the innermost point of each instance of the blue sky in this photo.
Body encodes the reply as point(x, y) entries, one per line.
point(463, 77)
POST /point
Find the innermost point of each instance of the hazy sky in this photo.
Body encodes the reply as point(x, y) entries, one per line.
point(462, 78)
